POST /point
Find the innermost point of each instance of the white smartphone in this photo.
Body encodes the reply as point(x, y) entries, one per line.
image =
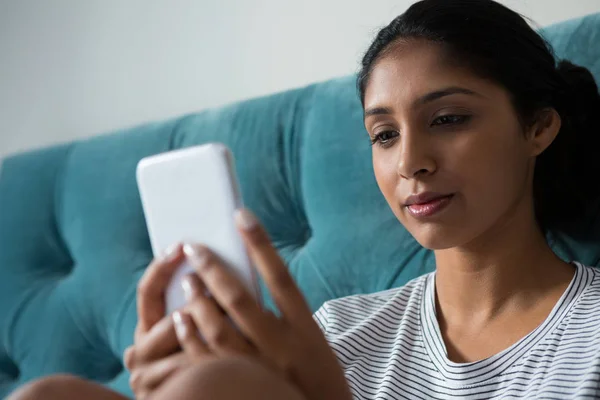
point(189, 196)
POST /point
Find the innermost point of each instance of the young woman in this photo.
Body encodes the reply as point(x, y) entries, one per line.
point(482, 143)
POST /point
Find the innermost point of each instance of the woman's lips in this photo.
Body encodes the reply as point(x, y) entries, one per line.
point(427, 206)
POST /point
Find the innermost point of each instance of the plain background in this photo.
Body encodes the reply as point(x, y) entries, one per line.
point(76, 68)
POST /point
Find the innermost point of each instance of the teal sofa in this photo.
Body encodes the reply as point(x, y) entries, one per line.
point(73, 241)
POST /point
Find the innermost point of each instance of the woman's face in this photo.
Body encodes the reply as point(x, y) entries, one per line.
point(449, 153)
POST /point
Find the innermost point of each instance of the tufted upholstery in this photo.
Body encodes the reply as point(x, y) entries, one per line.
point(73, 241)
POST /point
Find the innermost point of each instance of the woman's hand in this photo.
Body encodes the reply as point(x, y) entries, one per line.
point(292, 344)
point(156, 353)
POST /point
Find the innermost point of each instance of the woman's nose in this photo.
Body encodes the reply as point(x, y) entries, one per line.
point(415, 158)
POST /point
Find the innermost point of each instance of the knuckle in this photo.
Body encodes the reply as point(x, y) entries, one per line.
point(218, 336)
point(142, 355)
point(209, 265)
point(134, 380)
point(143, 287)
point(198, 311)
point(286, 365)
point(238, 300)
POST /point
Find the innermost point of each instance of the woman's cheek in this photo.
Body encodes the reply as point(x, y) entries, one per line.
point(386, 176)
point(388, 181)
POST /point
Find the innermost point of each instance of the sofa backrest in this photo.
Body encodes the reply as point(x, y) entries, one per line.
point(73, 241)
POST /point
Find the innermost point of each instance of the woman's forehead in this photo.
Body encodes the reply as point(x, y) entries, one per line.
point(415, 69)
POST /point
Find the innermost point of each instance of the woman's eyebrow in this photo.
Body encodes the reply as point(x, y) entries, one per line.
point(438, 94)
point(377, 111)
point(427, 98)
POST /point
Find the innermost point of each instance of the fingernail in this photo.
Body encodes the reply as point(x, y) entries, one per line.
point(188, 288)
point(171, 252)
point(245, 219)
point(180, 327)
point(196, 254)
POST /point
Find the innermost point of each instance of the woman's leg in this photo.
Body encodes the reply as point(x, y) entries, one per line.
point(222, 379)
point(64, 387)
point(227, 379)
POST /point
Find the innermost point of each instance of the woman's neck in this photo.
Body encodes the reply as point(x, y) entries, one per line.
point(507, 269)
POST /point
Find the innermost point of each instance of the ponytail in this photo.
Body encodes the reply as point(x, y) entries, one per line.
point(567, 174)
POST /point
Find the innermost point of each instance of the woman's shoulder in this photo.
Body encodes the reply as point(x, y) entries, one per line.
point(414, 286)
point(589, 282)
point(588, 278)
point(576, 318)
point(358, 309)
point(580, 304)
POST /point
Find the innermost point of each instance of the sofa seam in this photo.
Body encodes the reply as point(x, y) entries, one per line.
point(57, 202)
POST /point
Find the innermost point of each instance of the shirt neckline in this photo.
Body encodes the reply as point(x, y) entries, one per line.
point(467, 374)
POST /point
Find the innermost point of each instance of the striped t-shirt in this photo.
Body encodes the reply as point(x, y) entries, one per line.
point(390, 347)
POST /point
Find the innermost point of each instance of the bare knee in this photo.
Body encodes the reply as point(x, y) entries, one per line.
point(224, 379)
point(63, 387)
point(43, 388)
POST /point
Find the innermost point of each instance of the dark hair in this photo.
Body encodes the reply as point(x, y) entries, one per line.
point(498, 44)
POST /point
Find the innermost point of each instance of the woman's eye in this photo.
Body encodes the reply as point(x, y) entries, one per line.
point(450, 119)
point(385, 137)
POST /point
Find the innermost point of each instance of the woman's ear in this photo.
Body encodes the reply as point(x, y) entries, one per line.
point(544, 130)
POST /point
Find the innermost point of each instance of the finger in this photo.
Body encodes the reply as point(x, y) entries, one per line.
point(159, 342)
point(231, 295)
point(212, 323)
point(128, 357)
point(148, 378)
point(187, 334)
point(285, 292)
point(152, 287)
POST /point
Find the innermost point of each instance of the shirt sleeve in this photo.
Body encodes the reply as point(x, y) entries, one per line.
point(321, 318)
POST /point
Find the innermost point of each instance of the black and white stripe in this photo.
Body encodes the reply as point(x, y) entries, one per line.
point(390, 347)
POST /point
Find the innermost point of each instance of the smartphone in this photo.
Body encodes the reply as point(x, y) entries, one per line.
point(189, 196)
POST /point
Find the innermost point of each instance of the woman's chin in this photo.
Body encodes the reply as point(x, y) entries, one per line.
point(436, 237)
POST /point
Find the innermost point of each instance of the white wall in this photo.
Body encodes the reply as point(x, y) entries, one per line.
point(74, 68)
